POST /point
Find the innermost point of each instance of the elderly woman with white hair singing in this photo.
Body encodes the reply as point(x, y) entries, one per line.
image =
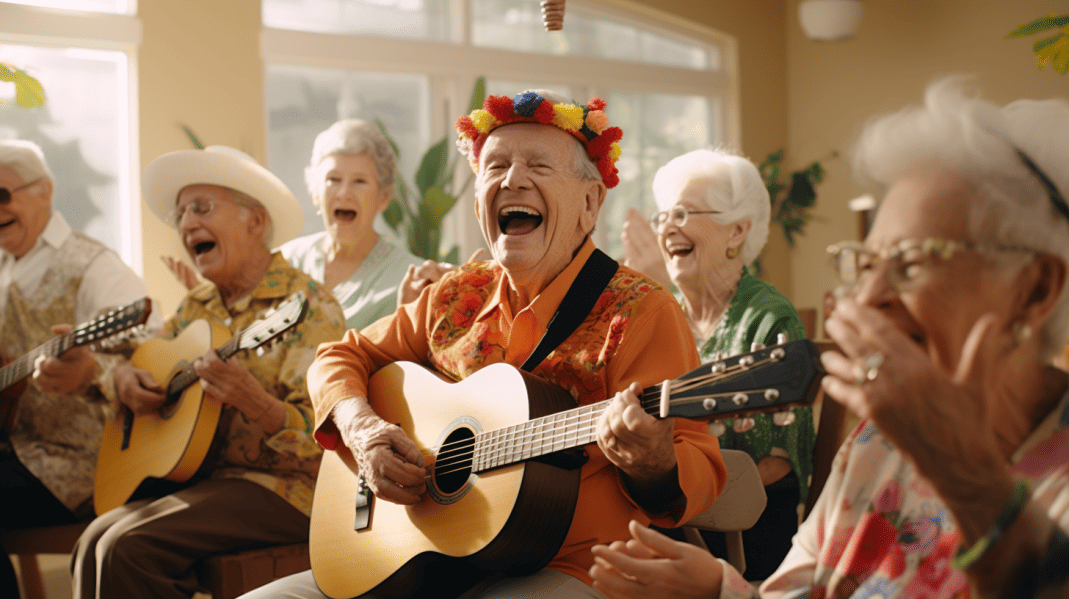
point(956, 484)
point(351, 178)
point(713, 223)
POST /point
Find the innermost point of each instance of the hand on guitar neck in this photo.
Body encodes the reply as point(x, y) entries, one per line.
point(227, 381)
point(71, 372)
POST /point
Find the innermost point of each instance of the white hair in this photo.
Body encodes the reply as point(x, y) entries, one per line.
point(733, 187)
point(979, 141)
point(25, 158)
point(353, 136)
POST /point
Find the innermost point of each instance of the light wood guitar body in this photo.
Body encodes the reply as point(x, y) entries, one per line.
point(169, 445)
point(172, 443)
point(496, 521)
point(505, 480)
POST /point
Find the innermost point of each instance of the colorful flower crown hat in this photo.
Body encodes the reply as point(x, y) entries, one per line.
point(588, 124)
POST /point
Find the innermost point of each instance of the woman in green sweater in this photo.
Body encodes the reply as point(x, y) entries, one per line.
point(713, 222)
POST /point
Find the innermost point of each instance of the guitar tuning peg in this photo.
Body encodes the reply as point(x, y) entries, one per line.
point(260, 351)
point(757, 346)
point(781, 338)
point(717, 429)
point(741, 425)
point(783, 418)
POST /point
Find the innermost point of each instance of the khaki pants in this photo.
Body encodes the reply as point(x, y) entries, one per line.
point(149, 548)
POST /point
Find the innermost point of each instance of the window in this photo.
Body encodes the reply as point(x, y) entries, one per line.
point(669, 84)
point(84, 128)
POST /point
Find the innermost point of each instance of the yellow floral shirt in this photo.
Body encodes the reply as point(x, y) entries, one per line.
point(288, 461)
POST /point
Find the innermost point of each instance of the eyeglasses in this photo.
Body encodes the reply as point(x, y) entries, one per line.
point(905, 260)
point(677, 215)
point(6, 194)
point(198, 207)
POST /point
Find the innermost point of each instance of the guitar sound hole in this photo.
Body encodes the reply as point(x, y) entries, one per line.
point(452, 466)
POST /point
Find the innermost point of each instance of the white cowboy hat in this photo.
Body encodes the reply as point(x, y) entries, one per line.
point(224, 166)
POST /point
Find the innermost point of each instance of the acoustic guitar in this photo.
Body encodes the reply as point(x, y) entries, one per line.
point(506, 473)
point(171, 444)
point(101, 332)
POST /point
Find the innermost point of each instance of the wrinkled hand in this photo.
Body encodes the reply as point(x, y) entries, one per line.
point(185, 273)
point(418, 277)
point(230, 382)
point(635, 442)
point(642, 251)
point(653, 566)
point(68, 373)
point(933, 416)
point(137, 389)
point(390, 462)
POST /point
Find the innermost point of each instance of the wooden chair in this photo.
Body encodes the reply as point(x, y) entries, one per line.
point(830, 435)
point(27, 543)
point(223, 576)
point(736, 510)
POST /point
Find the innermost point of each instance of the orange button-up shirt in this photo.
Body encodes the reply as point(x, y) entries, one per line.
point(636, 332)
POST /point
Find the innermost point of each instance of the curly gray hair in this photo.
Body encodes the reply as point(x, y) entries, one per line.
point(25, 158)
point(353, 136)
point(979, 142)
point(733, 187)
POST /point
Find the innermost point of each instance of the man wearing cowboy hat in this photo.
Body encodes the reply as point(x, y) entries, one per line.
point(543, 166)
point(255, 487)
point(50, 274)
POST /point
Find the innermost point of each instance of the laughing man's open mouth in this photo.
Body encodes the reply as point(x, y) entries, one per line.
point(518, 220)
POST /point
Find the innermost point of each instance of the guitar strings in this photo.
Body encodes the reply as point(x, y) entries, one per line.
point(649, 404)
point(460, 454)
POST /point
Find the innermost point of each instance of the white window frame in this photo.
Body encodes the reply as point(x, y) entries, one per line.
point(55, 28)
point(452, 68)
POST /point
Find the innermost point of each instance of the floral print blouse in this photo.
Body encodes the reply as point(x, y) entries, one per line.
point(879, 530)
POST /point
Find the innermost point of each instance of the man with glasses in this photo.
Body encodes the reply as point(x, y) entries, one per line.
point(50, 277)
point(255, 486)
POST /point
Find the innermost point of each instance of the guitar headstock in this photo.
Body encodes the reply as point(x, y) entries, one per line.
point(113, 326)
point(766, 380)
point(274, 323)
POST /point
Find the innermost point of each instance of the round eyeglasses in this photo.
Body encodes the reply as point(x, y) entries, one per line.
point(6, 194)
point(198, 207)
point(907, 261)
point(677, 215)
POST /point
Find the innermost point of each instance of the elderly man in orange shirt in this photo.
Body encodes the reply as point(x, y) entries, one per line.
point(543, 167)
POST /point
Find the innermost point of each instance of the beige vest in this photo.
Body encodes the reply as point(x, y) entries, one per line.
point(55, 436)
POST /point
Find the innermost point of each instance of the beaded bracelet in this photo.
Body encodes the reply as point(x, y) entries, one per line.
point(965, 557)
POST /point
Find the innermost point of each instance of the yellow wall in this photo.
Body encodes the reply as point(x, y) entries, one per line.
point(199, 65)
point(760, 31)
point(835, 87)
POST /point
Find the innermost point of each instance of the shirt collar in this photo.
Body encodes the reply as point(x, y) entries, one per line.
point(56, 231)
point(545, 304)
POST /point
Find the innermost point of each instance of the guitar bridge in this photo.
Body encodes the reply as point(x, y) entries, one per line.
point(362, 515)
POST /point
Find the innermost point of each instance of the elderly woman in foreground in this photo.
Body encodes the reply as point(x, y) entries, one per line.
point(713, 223)
point(957, 482)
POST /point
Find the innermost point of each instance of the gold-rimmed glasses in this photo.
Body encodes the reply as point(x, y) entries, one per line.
point(906, 261)
point(677, 215)
point(198, 207)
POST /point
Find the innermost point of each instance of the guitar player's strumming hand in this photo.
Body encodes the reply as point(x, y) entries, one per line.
point(68, 373)
point(137, 389)
point(230, 382)
point(641, 447)
point(390, 462)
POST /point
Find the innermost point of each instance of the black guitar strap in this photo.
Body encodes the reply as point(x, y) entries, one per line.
point(576, 305)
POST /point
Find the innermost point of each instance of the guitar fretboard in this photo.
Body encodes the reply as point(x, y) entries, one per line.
point(187, 376)
point(22, 367)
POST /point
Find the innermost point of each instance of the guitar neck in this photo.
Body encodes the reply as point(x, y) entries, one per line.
point(23, 367)
point(545, 435)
